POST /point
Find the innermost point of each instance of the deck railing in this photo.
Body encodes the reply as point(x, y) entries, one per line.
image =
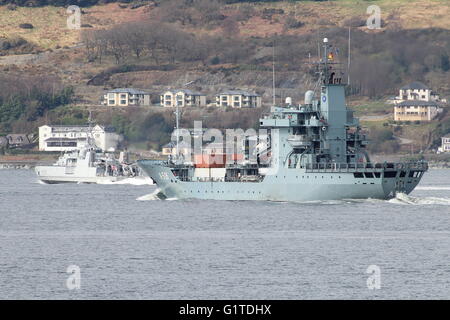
point(365, 167)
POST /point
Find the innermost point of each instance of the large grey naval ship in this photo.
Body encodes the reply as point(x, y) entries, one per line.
point(314, 151)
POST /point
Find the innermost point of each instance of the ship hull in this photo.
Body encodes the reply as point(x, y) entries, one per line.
point(56, 175)
point(284, 185)
point(88, 180)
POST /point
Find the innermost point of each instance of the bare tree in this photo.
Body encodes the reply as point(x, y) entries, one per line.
point(176, 10)
point(134, 34)
point(209, 10)
point(117, 44)
point(230, 27)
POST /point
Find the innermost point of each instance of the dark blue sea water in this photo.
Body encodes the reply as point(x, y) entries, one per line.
point(132, 249)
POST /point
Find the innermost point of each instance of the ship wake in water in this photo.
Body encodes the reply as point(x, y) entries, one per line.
point(404, 199)
point(400, 199)
point(135, 181)
point(433, 188)
point(155, 195)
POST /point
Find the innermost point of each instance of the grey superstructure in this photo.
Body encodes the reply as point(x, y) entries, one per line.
point(316, 152)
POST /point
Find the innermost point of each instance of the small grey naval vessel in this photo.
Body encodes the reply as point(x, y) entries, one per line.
point(87, 164)
point(317, 152)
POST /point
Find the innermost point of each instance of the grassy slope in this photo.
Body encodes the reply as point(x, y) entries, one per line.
point(49, 25)
point(51, 30)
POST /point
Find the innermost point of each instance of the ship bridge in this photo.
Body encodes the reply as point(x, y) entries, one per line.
point(323, 129)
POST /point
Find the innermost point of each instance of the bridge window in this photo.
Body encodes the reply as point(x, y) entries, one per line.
point(368, 174)
point(358, 175)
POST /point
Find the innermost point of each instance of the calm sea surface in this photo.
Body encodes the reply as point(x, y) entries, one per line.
point(132, 249)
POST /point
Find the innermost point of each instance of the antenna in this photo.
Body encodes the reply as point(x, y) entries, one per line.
point(349, 56)
point(90, 136)
point(318, 50)
point(177, 116)
point(90, 118)
point(273, 74)
point(177, 122)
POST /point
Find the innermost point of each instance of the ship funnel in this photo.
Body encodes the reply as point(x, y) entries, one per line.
point(309, 96)
point(289, 101)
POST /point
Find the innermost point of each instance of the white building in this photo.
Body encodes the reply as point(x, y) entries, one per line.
point(125, 97)
point(182, 98)
point(63, 138)
point(238, 99)
point(445, 144)
point(416, 91)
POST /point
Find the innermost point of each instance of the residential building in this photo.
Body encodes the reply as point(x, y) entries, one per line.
point(416, 91)
point(445, 144)
point(416, 102)
point(416, 110)
point(238, 99)
point(182, 98)
point(171, 149)
point(63, 138)
point(19, 140)
point(126, 97)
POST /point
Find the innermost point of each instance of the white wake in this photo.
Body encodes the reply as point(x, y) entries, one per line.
point(135, 181)
point(402, 198)
point(155, 195)
point(433, 188)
